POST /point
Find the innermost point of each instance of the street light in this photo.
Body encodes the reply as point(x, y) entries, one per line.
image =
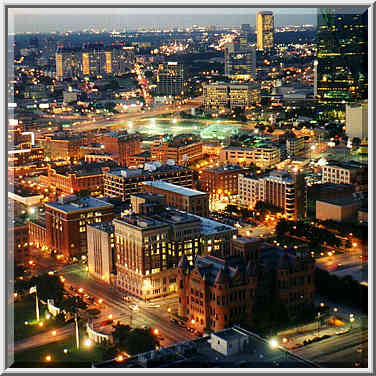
point(352, 319)
point(88, 343)
point(273, 343)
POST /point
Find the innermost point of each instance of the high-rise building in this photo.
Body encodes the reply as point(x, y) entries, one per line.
point(170, 79)
point(342, 55)
point(240, 60)
point(357, 120)
point(265, 30)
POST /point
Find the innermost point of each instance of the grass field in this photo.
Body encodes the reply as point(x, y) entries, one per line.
point(24, 310)
point(83, 358)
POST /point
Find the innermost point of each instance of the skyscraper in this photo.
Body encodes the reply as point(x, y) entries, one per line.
point(170, 79)
point(240, 60)
point(342, 56)
point(265, 30)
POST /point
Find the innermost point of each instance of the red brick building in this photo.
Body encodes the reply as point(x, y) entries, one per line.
point(62, 147)
point(221, 180)
point(75, 178)
point(66, 222)
point(121, 145)
point(18, 240)
point(182, 198)
point(215, 293)
point(182, 149)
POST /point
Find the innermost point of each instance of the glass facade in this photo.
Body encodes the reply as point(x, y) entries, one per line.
point(342, 55)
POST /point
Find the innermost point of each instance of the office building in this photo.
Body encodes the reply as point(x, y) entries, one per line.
point(265, 30)
point(342, 54)
point(68, 62)
point(182, 149)
point(351, 172)
point(295, 146)
point(263, 156)
point(229, 96)
point(93, 60)
point(18, 239)
point(101, 251)
point(277, 188)
point(240, 60)
point(66, 221)
point(179, 197)
point(170, 79)
point(151, 241)
point(357, 120)
point(125, 182)
point(221, 180)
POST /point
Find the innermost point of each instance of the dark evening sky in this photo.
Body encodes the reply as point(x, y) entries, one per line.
point(62, 19)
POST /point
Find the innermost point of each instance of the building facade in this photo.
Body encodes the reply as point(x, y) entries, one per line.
point(75, 178)
point(357, 120)
point(181, 150)
point(221, 180)
point(179, 197)
point(66, 222)
point(264, 157)
point(125, 182)
point(229, 96)
point(342, 71)
point(170, 79)
point(278, 188)
point(265, 30)
point(101, 250)
point(345, 173)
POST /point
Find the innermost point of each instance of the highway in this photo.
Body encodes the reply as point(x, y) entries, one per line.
point(118, 120)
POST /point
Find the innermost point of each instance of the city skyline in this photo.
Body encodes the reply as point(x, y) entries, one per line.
point(44, 20)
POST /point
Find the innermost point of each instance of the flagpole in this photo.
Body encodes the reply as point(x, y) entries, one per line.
point(36, 304)
point(77, 334)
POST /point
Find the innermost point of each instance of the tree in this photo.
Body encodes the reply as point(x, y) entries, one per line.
point(48, 287)
point(133, 341)
point(73, 304)
point(356, 141)
point(282, 227)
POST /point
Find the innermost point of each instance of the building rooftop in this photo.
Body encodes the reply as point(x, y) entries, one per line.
point(343, 201)
point(71, 204)
point(199, 353)
point(134, 172)
point(174, 188)
point(83, 169)
point(104, 226)
point(352, 165)
point(224, 169)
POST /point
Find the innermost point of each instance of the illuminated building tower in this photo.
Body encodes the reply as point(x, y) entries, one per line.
point(122, 59)
point(342, 56)
point(240, 60)
point(68, 62)
point(315, 64)
point(170, 79)
point(63, 64)
point(265, 30)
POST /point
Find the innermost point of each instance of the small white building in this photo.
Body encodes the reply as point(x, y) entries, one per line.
point(230, 341)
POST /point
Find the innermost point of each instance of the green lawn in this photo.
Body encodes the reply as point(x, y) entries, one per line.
point(24, 310)
point(83, 358)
